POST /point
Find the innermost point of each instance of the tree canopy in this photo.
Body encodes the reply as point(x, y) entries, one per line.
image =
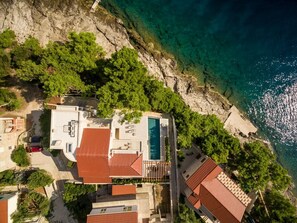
point(20, 156)
point(30, 205)
point(7, 39)
point(58, 66)
point(187, 215)
point(279, 208)
point(39, 178)
point(77, 200)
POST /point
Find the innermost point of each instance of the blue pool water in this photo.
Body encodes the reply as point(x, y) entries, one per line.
point(154, 137)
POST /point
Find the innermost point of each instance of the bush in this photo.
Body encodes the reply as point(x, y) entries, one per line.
point(20, 156)
point(39, 178)
point(167, 148)
point(7, 39)
point(186, 214)
point(31, 205)
point(180, 155)
point(45, 125)
point(9, 100)
point(7, 177)
point(77, 200)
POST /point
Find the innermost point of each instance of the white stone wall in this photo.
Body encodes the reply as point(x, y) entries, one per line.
point(12, 206)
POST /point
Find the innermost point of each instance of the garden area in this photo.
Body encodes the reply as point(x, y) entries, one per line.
point(31, 203)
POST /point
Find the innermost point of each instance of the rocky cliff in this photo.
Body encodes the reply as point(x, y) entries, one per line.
point(53, 20)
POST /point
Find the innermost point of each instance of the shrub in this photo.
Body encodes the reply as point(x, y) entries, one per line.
point(7, 177)
point(30, 205)
point(20, 156)
point(167, 148)
point(39, 178)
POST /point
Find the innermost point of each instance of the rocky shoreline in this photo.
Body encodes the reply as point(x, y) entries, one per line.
point(53, 21)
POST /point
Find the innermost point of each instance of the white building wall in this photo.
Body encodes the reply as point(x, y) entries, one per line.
point(12, 206)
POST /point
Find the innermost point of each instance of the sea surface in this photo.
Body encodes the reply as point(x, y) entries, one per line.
point(246, 49)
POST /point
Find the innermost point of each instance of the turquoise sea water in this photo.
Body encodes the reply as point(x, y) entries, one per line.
point(246, 49)
point(154, 137)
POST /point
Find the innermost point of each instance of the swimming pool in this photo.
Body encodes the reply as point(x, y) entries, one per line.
point(154, 138)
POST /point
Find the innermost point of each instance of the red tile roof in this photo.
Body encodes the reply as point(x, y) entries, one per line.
point(126, 165)
point(3, 211)
point(92, 156)
point(123, 189)
point(128, 217)
point(205, 170)
point(210, 192)
point(194, 200)
point(221, 202)
point(93, 163)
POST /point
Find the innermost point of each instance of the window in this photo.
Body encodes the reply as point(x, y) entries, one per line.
point(128, 208)
point(69, 147)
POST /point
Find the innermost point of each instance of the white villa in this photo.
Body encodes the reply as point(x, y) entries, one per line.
point(82, 136)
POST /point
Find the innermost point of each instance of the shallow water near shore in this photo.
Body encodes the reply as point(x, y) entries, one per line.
point(246, 49)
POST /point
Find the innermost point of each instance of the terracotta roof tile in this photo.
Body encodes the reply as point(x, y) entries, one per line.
point(205, 170)
point(221, 202)
point(126, 165)
point(212, 189)
point(3, 211)
point(194, 200)
point(123, 189)
point(92, 155)
point(129, 217)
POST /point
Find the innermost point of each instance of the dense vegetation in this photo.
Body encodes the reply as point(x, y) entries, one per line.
point(30, 205)
point(39, 178)
point(8, 177)
point(8, 98)
point(121, 82)
point(187, 215)
point(76, 198)
point(20, 156)
point(280, 209)
point(45, 125)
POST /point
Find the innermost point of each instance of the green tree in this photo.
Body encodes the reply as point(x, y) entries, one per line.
point(8, 100)
point(30, 205)
point(187, 215)
point(126, 77)
point(77, 201)
point(29, 50)
point(279, 176)
point(59, 66)
point(20, 156)
point(5, 60)
point(280, 209)
point(7, 177)
point(40, 178)
point(7, 39)
point(254, 166)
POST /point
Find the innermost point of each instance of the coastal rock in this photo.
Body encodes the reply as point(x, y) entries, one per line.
point(52, 21)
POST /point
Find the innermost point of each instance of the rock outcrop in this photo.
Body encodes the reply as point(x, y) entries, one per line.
point(52, 20)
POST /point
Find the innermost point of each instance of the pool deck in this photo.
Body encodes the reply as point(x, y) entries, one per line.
point(135, 137)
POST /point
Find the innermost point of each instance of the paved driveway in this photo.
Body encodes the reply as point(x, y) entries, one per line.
point(57, 169)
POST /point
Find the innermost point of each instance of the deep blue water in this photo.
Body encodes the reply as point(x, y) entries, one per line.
point(154, 137)
point(247, 50)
